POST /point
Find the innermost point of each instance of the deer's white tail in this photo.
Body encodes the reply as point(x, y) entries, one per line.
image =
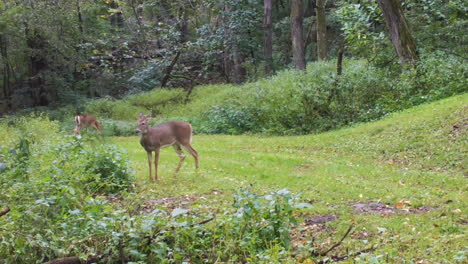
point(77, 121)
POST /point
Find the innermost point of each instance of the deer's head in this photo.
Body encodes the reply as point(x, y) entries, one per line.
point(143, 123)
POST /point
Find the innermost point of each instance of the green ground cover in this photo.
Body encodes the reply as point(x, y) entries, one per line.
point(414, 160)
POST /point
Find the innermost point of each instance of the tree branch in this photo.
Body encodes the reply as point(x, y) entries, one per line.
point(339, 242)
point(4, 212)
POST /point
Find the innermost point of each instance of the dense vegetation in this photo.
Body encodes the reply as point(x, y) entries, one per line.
point(294, 103)
point(263, 75)
point(62, 52)
point(81, 199)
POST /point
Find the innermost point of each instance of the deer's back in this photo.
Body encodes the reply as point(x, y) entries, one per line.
point(167, 134)
point(87, 119)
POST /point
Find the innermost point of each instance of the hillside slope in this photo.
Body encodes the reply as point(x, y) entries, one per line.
point(415, 159)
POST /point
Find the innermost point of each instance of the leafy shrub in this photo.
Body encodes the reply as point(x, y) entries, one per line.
point(156, 100)
point(118, 110)
point(298, 103)
point(109, 169)
point(128, 109)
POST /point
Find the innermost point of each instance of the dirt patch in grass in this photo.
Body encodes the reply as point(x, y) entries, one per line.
point(184, 201)
point(386, 209)
point(461, 126)
point(321, 219)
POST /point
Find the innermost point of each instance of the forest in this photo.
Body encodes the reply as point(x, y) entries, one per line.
point(305, 131)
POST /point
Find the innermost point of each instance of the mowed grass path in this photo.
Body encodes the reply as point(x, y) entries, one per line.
point(418, 155)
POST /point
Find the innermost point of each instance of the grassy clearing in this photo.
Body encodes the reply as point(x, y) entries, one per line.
point(416, 155)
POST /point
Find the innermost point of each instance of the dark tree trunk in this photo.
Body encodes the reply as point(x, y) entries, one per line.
point(232, 49)
point(321, 31)
point(36, 42)
point(339, 62)
point(183, 26)
point(268, 45)
point(296, 34)
point(310, 8)
point(238, 74)
point(399, 31)
point(6, 66)
point(169, 69)
point(116, 19)
point(80, 18)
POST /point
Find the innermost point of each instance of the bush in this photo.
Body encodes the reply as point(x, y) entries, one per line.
point(156, 100)
point(117, 110)
point(109, 169)
point(299, 103)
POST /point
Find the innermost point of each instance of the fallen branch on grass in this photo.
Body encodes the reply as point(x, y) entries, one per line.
point(204, 221)
point(342, 258)
point(72, 260)
point(337, 244)
point(4, 212)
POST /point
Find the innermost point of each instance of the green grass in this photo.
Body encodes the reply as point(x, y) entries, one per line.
point(412, 155)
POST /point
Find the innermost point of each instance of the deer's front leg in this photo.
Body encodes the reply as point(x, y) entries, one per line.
point(150, 156)
point(156, 159)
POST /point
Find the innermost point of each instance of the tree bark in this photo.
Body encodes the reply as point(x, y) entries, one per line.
point(6, 65)
point(80, 18)
point(399, 31)
point(268, 33)
point(310, 8)
point(296, 34)
point(339, 62)
point(232, 41)
point(321, 30)
point(238, 73)
point(169, 69)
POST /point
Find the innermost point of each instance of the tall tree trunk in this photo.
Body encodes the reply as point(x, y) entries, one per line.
point(268, 33)
point(321, 30)
point(6, 65)
point(238, 73)
point(183, 26)
point(296, 34)
point(233, 46)
point(309, 8)
point(339, 62)
point(399, 31)
point(80, 18)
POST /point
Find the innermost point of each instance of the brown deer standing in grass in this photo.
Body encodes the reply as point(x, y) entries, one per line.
point(177, 134)
point(85, 121)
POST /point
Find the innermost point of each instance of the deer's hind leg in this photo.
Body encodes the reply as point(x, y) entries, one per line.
point(156, 161)
point(194, 153)
point(181, 154)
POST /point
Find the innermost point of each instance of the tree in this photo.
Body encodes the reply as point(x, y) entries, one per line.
point(399, 31)
point(268, 35)
point(321, 30)
point(296, 34)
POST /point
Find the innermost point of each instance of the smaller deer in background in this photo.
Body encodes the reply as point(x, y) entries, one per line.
point(177, 134)
point(85, 121)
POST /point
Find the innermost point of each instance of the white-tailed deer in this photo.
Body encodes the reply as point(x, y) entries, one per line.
point(85, 121)
point(177, 134)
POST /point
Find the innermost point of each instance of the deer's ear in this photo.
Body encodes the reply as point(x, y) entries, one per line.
point(142, 115)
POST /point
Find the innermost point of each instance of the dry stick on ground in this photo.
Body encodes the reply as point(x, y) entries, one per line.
point(339, 242)
point(342, 258)
point(72, 260)
point(4, 212)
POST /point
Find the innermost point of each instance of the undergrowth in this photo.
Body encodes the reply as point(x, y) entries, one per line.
point(292, 103)
point(68, 198)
